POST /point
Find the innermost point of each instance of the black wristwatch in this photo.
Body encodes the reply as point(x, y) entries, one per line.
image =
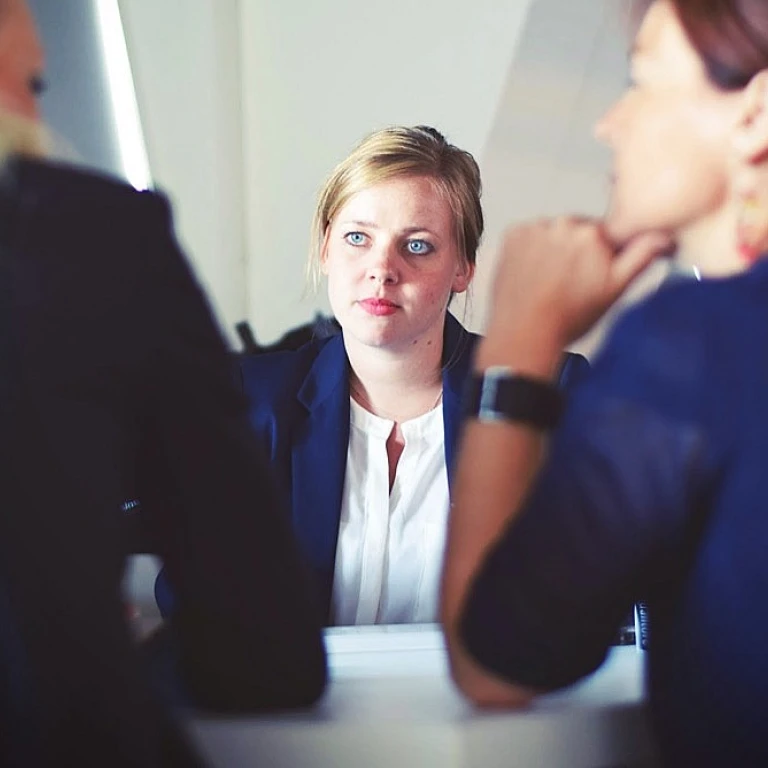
point(500, 394)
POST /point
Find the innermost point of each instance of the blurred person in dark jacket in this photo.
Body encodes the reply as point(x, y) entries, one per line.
point(114, 379)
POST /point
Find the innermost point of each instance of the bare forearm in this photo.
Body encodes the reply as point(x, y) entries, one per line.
point(496, 466)
point(554, 280)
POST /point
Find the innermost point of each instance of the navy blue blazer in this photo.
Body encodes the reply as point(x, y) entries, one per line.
point(299, 407)
point(655, 489)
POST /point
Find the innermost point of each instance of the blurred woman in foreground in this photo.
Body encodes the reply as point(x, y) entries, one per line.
point(652, 485)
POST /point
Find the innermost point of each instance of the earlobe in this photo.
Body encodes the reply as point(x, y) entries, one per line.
point(751, 135)
point(751, 146)
point(463, 278)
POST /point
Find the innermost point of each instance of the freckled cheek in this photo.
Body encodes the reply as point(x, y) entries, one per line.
point(435, 296)
point(343, 280)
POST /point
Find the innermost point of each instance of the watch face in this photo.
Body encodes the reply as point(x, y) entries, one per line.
point(489, 407)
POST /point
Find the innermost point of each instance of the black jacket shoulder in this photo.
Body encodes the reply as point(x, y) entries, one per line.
point(60, 190)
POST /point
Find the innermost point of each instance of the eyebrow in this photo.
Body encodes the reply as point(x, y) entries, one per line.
point(359, 223)
point(371, 225)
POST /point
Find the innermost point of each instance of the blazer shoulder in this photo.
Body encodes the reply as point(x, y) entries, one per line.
point(473, 339)
point(573, 369)
point(459, 343)
point(276, 377)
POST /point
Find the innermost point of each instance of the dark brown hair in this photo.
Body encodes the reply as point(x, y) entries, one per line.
point(730, 36)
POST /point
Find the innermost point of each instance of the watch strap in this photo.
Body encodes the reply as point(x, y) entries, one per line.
point(500, 394)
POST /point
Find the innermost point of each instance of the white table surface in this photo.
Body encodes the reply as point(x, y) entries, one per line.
point(391, 703)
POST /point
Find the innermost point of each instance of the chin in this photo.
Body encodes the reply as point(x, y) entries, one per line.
point(619, 229)
point(371, 337)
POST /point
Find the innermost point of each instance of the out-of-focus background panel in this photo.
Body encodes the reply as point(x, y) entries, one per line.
point(319, 76)
point(245, 106)
point(185, 56)
point(77, 104)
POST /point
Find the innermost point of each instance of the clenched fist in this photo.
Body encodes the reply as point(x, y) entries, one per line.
point(555, 278)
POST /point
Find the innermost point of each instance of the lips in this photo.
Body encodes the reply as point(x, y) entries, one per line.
point(378, 307)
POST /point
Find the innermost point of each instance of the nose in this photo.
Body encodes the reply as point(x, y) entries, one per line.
point(383, 265)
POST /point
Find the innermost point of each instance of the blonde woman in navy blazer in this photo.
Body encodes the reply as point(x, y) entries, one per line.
point(395, 233)
point(300, 407)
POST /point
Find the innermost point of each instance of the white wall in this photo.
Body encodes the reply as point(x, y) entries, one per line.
point(318, 76)
point(185, 56)
point(248, 104)
point(517, 82)
point(540, 157)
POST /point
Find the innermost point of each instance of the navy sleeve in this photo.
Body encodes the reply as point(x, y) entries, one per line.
point(607, 518)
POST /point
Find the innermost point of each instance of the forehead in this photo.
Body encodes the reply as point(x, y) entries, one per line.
point(662, 40)
point(416, 198)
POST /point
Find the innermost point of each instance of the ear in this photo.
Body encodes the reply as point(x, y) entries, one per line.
point(751, 134)
point(463, 277)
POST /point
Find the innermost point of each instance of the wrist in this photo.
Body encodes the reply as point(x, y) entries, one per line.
point(501, 394)
point(537, 355)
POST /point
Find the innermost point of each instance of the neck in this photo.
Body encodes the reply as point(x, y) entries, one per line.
point(397, 385)
point(710, 244)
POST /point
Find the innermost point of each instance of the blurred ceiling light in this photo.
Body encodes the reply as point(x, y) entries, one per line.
point(125, 110)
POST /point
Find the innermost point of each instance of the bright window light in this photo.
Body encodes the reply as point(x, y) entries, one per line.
point(125, 110)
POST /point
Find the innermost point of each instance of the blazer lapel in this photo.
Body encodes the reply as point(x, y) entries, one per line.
point(458, 344)
point(319, 459)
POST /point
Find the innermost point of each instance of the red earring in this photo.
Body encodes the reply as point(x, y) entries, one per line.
point(752, 229)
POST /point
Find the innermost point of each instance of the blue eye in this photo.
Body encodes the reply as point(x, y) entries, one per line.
point(419, 247)
point(355, 238)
